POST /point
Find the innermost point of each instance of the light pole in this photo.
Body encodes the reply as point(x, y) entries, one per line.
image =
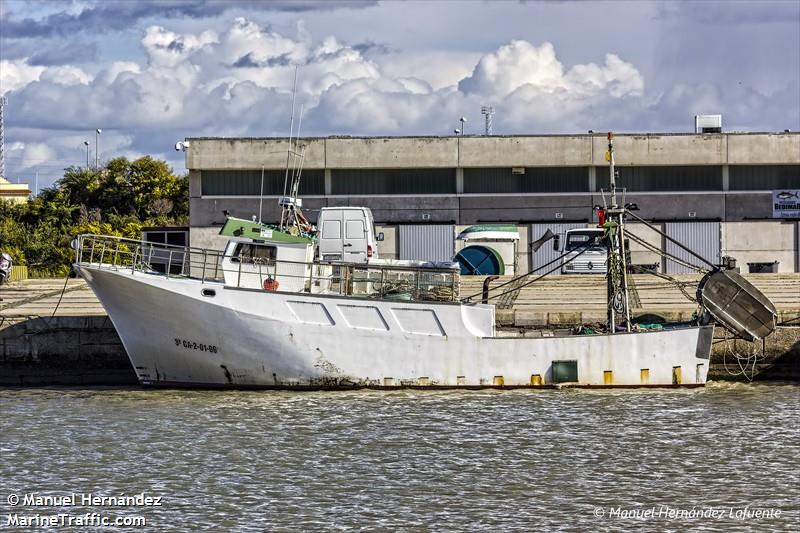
point(97, 133)
point(86, 143)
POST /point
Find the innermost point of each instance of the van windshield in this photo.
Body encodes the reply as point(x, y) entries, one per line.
point(579, 239)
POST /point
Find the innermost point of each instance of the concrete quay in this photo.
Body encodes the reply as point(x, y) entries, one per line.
point(78, 346)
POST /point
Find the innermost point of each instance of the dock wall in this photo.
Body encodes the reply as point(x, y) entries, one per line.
point(64, 350)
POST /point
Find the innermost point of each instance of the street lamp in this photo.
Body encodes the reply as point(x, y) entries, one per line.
point(97, 133)
point(86, 143)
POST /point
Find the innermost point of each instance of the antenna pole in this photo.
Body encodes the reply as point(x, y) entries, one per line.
point(613, 174)
point(3, 104)
point(289, 149)
point(611, 251)
point(261, 194)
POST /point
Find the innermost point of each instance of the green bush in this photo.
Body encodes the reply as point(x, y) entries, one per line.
point(118, 199)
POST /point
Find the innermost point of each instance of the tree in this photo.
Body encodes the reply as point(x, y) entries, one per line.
point(116, 200)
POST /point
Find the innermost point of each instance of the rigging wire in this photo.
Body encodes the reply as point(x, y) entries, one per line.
point(518, 278)
point(672, 257)
point(680, 285)
point(680, 245)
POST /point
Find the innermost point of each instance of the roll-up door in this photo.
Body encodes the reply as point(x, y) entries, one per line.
point(701, 237)
point(427, 242)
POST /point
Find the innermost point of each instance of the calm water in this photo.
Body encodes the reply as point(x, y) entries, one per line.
point(411, 460)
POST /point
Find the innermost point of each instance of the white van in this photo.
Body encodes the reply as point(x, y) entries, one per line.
point(346, 234)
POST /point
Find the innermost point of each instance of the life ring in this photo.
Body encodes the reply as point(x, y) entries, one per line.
point(270, 284)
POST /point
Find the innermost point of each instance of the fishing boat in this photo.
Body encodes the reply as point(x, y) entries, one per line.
point(265, 313)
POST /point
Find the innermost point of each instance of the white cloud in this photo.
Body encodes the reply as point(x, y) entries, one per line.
point(31, 154)
point(167, 49)
point(109, 74)
point(238, 81)
point(520, 64)
point(438, 69)
point(66, 75)
point(17, 74)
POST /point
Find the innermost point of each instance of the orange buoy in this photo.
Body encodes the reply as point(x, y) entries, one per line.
point(270, 284)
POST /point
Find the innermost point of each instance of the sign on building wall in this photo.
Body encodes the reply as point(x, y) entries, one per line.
point(786, 204)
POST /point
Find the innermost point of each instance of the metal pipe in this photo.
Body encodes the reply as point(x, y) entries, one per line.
point(261, 194)
point(485, 296)
point(612, 176)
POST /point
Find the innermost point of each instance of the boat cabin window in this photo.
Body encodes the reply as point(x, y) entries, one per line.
point(579, 239)
point(332, 229)
point(255, 253)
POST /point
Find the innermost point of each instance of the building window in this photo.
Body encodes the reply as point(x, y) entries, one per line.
point(666, 178)
point(393, 181)
point(529, 179)
point(763, 177)
point(248, 182)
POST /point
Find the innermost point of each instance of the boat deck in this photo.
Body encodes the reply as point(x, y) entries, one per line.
point(556, 300)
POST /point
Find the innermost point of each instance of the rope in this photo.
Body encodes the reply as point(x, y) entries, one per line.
point(59, 300)
point(680, 285)
point(743, 367)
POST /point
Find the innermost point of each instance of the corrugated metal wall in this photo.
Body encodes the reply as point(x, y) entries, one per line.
point(666, 178)
point(248, 182)
point(701, 237)
point(393, 181)
point(546, 252)
point(797, 246)
point(534, 179)
point(764, 177)
point(427, 242)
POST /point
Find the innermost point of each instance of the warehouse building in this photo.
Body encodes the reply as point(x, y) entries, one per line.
point(723, 194)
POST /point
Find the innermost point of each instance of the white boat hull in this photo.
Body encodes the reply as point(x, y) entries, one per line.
point(243, 338)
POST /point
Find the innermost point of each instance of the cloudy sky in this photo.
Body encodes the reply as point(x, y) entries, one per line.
point(152, 72)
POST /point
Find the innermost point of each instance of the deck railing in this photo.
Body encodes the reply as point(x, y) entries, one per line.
point(369, 280)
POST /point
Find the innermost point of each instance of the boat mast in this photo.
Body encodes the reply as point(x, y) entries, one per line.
point(616, 269)
point(610, 237)
point(284, 213)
